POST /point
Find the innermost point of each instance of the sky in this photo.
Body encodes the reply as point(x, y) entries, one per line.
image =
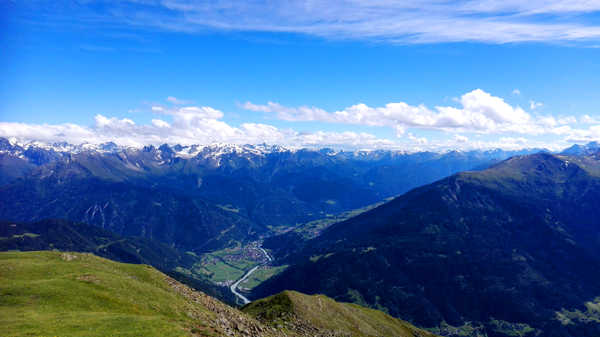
point(348, 74)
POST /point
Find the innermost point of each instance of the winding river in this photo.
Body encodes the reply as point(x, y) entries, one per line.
point(234, 286)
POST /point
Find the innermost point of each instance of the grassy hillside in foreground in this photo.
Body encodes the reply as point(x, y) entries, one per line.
point(295, 312)
point(49, 293)
point(74, 294)
point(68, 236)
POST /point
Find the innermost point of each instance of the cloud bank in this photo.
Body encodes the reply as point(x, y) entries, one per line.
point(479, 112)
point(188, 125)
point(478, 120)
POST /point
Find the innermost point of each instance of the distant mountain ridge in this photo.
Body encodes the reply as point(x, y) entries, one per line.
point(216, 149)
point(206, 197)
point(579, 150)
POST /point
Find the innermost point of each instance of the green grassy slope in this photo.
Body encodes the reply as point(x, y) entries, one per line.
point(49, 293)
point(63, 235)
point(58, 294)
point(74, 294)
point(320, 315)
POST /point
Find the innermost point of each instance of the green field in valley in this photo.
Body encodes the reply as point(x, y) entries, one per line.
point(260, 275)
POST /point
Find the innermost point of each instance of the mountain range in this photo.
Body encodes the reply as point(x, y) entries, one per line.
point(480, 243)
point(201, 198)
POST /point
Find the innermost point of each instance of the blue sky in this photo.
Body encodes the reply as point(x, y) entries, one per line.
point(348, 74)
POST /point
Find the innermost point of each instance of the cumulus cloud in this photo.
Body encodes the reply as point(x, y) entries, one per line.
point(516, 92)
point(176, 100)
point(428, 21)
point(417, 140)
point(159, 123)
point(47, 132)
point(189, 125)
point(479, 112)
point(103, 122)
point(478, 120)
point(461, 139)
point(587, 119)
point(534, 105)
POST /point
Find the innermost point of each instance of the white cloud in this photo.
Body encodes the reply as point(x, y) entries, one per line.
point(478, 112)
point(190, 125)
point(567, 120)
point(348, 139)
point(46, 132)
point(505, 143)
point(417, 140)
point(478, 120)
point(587, 119)
point(177, 101)
point(460, 139)
point(103, 122)
point(159, 123)
point(518, 141)
point(193, 113)
point(534, 105)
point(516, 92)
point(427, 21)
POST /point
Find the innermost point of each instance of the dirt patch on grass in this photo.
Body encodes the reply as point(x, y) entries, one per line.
point(88, 278)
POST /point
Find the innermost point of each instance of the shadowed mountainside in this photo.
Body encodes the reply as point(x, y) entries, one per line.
point(507, 248)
